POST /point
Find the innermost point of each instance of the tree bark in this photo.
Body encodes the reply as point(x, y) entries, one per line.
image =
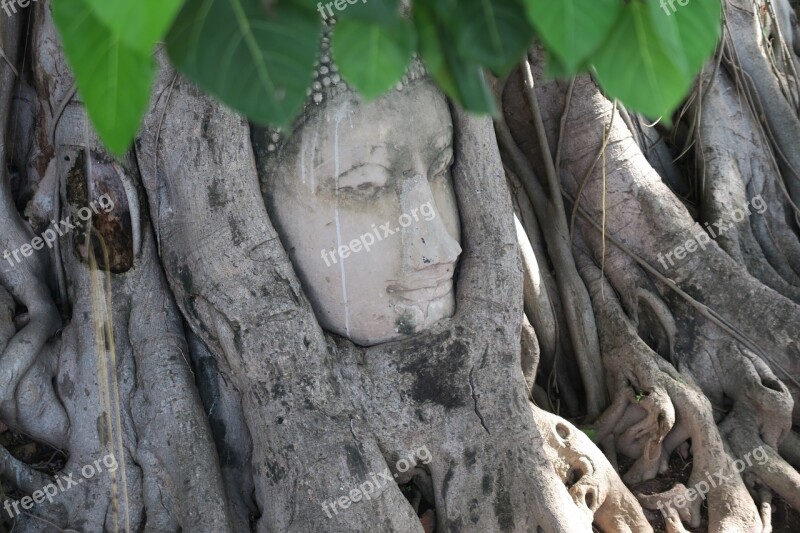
point(173, 334)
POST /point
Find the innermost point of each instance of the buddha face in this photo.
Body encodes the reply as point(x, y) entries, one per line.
point(363, 200)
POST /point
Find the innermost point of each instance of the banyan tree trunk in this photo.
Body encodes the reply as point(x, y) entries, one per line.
point(167, 341)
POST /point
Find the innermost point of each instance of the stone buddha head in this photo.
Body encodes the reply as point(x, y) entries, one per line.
point(362, 198)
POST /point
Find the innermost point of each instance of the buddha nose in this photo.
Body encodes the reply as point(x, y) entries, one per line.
point(426, 240)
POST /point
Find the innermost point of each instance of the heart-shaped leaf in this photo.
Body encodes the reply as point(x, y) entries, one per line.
point(573, 29)
point(639, 67)
point(113, 78)
point(138, 23)
point(257, 64)
point(494, 33)
point(372, 56)
point(461, 79)
point(690, 31)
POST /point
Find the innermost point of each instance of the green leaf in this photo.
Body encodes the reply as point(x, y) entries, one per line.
point(426, 24)
point(494, 33)
point(138, 23)
point(573, 29)
point(591, 433)
point(372, 56)
point(385, 11)
point(461, 79)
point(638, 67)
point(258, 65)
point(113, 79)
point(667, 47)
point(690, 32)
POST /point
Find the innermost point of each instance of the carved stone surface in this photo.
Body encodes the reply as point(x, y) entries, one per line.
point(362, 198)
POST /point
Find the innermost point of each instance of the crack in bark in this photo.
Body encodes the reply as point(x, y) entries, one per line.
point(475, 400)
point(353, 433)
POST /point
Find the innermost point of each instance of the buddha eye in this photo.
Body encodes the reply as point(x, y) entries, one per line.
point(366, 186)
point(367, 178)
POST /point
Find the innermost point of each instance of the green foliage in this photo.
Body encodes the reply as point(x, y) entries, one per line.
point(459, 77)
point(650, 60)
point(138, 23)
point(637, 68)
point(373, 55)
point(113, 77)
point(260, 62)
point(573, 29)
point(384, 11)
point(492, 34)
point(257, 64)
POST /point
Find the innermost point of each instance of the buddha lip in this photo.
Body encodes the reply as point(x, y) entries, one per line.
point(435, 278)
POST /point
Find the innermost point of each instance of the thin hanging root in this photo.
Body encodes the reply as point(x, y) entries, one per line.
point(600, 155)
point(9, 63)
point(536, 299)
point(730, 505)
point(574, 297)
point(539, 289)
point(786, 57)
point(62, 105)
point(705, 311)
point(741, 19)
point(664, 316)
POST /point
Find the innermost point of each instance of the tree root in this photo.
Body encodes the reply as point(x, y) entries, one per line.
point(742, 21)
point(657, 408)
point(730, 506)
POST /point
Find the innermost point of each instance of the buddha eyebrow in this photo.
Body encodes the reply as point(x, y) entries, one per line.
point(364, 154)
point(360, 165)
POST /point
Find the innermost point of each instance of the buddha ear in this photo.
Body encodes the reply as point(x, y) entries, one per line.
point(490, 272)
